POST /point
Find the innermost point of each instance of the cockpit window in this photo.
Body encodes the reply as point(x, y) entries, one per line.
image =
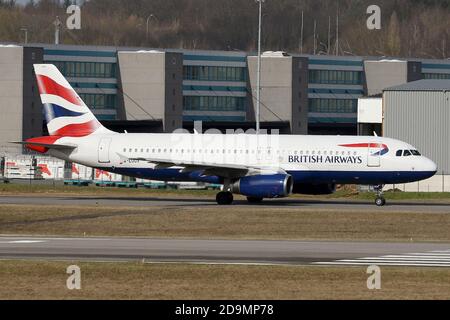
point(407, 153)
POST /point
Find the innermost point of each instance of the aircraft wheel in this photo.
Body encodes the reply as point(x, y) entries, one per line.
point(254, 200)
point(224, 198)
point(379, 201)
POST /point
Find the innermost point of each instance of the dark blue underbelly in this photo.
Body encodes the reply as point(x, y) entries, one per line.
point(338, 177)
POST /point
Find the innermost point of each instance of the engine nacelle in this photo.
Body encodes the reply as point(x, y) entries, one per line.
point(264, 186)
point(314, 189)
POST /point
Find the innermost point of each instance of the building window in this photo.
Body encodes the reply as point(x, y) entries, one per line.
point(86, 69)
point(212, 73)
point(335, 77)
point(200, 103)
point(333, 105)
point(439, 76)
point(99, 101)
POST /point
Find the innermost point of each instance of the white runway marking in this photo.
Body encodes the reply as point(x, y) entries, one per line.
point(422, 259)
point(23, 241)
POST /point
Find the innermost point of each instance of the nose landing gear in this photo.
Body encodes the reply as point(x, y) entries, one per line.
point(380, 201)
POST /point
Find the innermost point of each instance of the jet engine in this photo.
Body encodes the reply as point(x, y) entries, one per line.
point(264, 186)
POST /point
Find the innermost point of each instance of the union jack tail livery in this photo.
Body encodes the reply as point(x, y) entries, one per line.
point(66, 114)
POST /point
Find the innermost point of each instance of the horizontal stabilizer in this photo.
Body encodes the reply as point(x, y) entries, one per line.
point(45, 145)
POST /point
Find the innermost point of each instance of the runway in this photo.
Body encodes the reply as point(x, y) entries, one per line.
point(226, 251)
point(120, 201)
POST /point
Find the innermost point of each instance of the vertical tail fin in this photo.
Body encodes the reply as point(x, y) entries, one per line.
point(66, 114)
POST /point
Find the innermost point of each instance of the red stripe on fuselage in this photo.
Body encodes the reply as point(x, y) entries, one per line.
point(364, 145)
point(78, 129)
point(49, 86)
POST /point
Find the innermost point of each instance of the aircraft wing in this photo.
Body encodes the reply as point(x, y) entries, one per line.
point(209, 168)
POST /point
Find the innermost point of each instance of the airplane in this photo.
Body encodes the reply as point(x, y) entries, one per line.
point(253, 165)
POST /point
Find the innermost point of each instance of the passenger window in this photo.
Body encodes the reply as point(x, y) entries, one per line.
point(407, 153)
point(399, 153)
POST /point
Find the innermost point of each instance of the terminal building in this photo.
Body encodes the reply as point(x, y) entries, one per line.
point(144, 90)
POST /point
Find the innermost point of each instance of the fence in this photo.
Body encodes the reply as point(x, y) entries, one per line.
point(438, 183)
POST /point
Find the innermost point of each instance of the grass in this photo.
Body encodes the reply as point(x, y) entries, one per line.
point(211, 222)
point(48, 189)
point(348, 192)
point(47, 280)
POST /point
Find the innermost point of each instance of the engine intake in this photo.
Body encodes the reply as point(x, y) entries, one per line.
point(264, 186)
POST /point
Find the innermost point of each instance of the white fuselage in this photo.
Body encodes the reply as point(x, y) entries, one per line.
point(309, 159)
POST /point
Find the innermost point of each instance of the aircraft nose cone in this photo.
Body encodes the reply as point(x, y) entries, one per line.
point(430, 166)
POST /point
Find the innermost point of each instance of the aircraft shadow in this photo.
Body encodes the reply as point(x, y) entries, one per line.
point(271, 202)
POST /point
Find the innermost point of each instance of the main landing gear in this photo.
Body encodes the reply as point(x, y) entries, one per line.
point(224, 198)
point(380, 201)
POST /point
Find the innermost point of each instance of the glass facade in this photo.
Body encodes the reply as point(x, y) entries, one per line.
point(335, 77)
point(208, 73)
point(199, 103)
point(440, 76)
point(99, 101)
point(86, 69)
point(333, 105)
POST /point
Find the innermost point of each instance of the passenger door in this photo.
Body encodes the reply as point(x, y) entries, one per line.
point(103, 150)
point(374, 154)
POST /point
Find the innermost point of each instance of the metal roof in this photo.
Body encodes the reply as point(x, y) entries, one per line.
point(423, 85)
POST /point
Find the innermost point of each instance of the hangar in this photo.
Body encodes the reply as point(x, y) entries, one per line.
point(419, 112)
